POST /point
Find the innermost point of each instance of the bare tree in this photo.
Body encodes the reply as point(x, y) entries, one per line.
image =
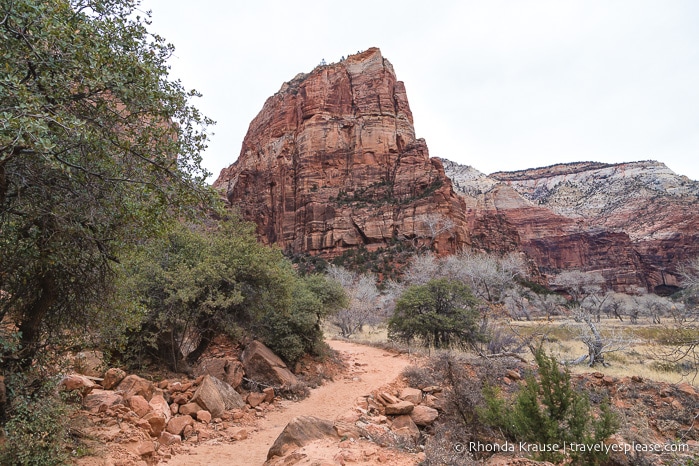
point(365, 305)
point(436, 224)
point(422, 269)
point(682, 338)
point(549, 304)
point(488, 275)
point(653, 306)
point(618, 305)
point(586, 292)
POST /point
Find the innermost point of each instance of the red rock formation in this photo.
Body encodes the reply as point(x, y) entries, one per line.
point(632, 222)
point(331, 162)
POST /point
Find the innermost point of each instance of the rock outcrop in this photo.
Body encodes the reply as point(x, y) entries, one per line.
point(332, 163)
point(632, 222)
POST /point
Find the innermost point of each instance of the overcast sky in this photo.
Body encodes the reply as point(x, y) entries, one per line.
point(499, 85)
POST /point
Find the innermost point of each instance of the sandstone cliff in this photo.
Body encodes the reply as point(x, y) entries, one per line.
point(633, 222)
point(332, 163)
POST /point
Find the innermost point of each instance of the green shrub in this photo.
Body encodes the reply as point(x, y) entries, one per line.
point(441, 314)
point(550, 411)
point(37, 426)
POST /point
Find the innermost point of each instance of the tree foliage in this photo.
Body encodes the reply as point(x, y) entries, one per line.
point(98, 148)
point(441, 314)
point(196, 283)
point(550, 411)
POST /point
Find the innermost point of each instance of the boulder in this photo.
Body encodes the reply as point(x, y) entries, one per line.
point(189, 409)
point(203, 416)
point(433, 402)
point(237, 433)
point(166, 438)
point(113, 377)
point(77, 382)
point(262, 365)
point(138, 405)
point(404, 426)
point(135, 385)
point(255, 398)
point(423, 415)
point(160, 406)
point(269, 394)
point(300, 431)
point(226, 369)
point(216, 396)
point(402, 407)
point(176, 425)
point(413, 395)
point(157, 423)
point(99, 400)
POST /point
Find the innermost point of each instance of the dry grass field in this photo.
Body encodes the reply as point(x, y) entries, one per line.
point(638, 348)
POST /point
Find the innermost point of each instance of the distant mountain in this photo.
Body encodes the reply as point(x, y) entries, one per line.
point(645, 216)
point(331, 166)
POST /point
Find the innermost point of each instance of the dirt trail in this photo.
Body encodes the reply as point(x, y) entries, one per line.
point(374, 367)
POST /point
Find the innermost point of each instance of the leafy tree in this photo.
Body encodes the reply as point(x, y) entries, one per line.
point(551, 411)
point(98, 148)
point(441, 313)
point(196, 283)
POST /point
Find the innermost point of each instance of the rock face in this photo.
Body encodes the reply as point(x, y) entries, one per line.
point(632, 222)
point(332, 163)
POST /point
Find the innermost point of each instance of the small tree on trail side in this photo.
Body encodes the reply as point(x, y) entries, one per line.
point(439, 314)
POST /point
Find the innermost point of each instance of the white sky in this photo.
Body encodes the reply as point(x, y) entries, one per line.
point(499, 85)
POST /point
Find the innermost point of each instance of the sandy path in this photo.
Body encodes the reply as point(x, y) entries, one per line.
point(374, 368)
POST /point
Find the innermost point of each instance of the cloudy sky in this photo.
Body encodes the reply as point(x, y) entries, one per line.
point(499, 85)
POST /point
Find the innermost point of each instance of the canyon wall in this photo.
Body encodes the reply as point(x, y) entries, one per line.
point(332, 162)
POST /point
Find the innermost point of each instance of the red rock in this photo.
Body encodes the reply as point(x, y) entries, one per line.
point(332, 162)
point(237, 433)
point(157, 423)
point(226, 369)
point(262, 365)
point(166, 438)
point(159, 405)
point(269, 394)
point(189, 409)
point(593, 216)
point(404, 425)
point(412, 395)
point(138, 405)
point(216, 396)
point(135, 385)
point(254, 398)
point(77, 382)
point(300, 431)
point(687, 389)
point(100, 400)
point(113, 377)
point(402, 407)
point(177, 424)
point(203, 416)
point(423, 415)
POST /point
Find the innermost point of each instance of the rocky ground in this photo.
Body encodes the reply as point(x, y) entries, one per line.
point(367, 414)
